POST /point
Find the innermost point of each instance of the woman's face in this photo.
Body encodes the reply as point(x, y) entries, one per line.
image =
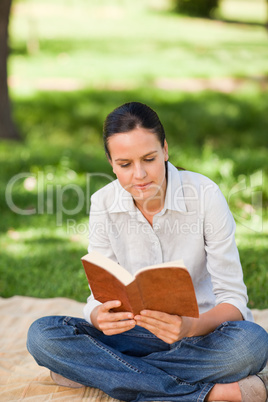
point(138, 160)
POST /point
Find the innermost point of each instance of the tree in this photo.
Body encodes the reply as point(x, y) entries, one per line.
point(7, 127)
point(196, 8)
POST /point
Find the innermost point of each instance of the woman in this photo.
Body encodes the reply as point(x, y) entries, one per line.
point(151, 214)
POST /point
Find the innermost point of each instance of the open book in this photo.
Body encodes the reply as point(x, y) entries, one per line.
point(166, 287)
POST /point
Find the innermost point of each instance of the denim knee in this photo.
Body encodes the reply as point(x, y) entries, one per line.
point(37, 334)
point(257, 347)
point(250, 348)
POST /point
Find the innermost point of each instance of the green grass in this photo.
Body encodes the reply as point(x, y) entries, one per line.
point(104, 45)
point(116, 54)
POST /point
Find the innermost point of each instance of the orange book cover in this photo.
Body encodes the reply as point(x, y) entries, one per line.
point(166, 287)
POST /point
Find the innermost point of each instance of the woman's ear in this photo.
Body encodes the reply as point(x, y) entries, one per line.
point(166, 151)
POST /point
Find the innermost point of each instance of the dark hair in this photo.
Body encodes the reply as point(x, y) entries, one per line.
point(129, 116)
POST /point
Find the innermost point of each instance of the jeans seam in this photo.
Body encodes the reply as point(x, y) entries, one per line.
point(204, 392)
point(115, 356)
point(66, 320)
point(140, 336)
point(84, 323)
point(182, 382)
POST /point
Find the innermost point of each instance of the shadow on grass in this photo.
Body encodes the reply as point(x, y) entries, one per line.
point(67, 127)
point(229, 120)
point(239, 22)
point(63, 136)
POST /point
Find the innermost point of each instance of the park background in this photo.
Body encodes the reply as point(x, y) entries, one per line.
point(71, 62)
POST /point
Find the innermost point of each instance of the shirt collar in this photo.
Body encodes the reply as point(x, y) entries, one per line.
point(174, 195)
point(122, 200)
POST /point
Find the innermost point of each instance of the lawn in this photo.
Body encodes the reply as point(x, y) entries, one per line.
point(73, 62)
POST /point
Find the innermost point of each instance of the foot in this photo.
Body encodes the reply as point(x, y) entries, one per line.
point(249, 389)
point(252, 389)
point(64, 382)
point(225, 392)
point(264, 377)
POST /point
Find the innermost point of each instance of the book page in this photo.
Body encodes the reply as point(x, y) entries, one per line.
point(109, 265)
point(174, 264)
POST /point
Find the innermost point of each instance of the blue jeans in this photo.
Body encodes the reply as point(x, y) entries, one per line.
point(137, 366)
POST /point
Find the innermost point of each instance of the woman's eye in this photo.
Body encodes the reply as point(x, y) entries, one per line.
point(149, 159)
point(125, 165)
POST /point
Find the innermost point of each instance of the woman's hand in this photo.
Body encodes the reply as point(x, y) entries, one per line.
point(111, 323)
point(172, 328)
point(169, 328)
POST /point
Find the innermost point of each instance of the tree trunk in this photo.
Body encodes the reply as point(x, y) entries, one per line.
point(267, 16)
point(7, 127)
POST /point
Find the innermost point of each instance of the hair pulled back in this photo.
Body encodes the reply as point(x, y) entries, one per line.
point(129, 116)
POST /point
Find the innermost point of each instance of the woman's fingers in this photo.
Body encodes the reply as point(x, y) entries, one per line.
point(114, 323)
point(118, 327)
point(108, 315)
point(105, 307)
point(159, 319)
point(165, 326)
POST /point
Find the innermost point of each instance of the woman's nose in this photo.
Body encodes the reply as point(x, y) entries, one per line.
point(139, 172)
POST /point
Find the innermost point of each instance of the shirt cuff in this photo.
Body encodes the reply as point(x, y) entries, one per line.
point(89, 307)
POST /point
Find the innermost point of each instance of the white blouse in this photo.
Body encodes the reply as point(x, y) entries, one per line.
point(195, 225)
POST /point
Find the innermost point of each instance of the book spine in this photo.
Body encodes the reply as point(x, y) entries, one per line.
point(134, 297)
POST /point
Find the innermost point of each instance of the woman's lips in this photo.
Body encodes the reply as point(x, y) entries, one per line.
point(142, 186)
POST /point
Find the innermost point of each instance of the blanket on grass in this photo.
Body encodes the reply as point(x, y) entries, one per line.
point(21, 379)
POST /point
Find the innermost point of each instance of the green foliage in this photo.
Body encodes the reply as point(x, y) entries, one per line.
point(196, 8)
